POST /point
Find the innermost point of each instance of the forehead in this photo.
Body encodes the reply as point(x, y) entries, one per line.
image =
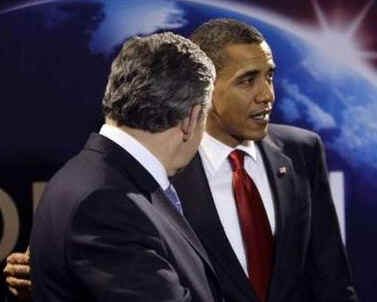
point(250, 56)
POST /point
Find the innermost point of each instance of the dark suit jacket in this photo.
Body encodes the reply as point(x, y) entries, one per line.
point(310, 262)
point(104, 231)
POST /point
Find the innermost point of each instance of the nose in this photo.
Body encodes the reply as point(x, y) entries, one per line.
point(266, 93)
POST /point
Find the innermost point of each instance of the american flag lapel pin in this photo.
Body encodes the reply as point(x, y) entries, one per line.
point(282, 171)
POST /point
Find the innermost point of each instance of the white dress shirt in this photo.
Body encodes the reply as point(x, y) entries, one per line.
point(217, 167)
point(139, 152)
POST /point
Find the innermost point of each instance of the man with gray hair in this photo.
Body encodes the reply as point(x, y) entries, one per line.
point(110, 225)
point(257, 194)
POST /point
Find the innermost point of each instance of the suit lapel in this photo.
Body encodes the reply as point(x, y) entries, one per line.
point(199, 208)
point(176, 220)
point(122, 161)
point(281, 176)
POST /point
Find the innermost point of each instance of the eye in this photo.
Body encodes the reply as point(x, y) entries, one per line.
point(247, 81)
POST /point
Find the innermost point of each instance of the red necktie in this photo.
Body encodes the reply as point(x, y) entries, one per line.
point(256, 230)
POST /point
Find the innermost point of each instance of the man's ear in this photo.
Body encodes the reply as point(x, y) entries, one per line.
point(189, 124)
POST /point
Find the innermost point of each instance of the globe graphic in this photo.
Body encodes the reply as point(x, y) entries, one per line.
point(55, 58)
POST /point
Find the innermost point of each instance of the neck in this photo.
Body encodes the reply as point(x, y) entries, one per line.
point(163, 145)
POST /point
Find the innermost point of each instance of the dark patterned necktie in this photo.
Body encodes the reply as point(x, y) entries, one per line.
point(172, 195)
point(256, 230)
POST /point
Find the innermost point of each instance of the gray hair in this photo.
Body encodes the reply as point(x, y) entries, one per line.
point(214, 35)
point(156, 80)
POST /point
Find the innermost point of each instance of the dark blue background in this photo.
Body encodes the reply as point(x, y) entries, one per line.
point(52, 84)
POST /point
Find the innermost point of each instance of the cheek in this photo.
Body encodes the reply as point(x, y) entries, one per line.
point(232, 105)
point(246, 94)
point(238, 103)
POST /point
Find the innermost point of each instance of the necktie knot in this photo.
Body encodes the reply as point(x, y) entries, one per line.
point(236, 159)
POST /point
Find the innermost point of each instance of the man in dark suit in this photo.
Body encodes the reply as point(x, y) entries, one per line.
point(307, 261)
point(109, 226)
point(299, 255)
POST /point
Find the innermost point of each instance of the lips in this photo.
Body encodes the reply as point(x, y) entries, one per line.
point(261, 115)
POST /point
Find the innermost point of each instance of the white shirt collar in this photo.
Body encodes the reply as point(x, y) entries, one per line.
point(149, 161)
point(216, 152)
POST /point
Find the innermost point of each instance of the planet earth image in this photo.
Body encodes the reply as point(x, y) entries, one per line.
point(55, 57)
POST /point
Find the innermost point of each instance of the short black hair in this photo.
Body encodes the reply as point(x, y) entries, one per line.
point(216, 34)
point(156, 80)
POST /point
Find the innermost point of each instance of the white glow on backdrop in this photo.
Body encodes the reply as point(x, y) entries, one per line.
point(323, 40)
point(344, 38)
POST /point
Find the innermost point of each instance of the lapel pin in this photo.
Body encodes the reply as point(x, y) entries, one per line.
point(282, 171)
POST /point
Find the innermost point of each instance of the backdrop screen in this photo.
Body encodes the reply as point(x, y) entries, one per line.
point(55, 57)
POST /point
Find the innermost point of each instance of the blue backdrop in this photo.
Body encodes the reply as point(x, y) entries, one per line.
point(55, 57)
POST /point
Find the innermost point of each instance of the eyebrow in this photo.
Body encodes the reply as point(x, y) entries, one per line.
point(247, 74)
point(252, 73)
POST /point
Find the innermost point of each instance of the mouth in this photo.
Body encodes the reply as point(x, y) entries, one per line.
point(262, 115)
